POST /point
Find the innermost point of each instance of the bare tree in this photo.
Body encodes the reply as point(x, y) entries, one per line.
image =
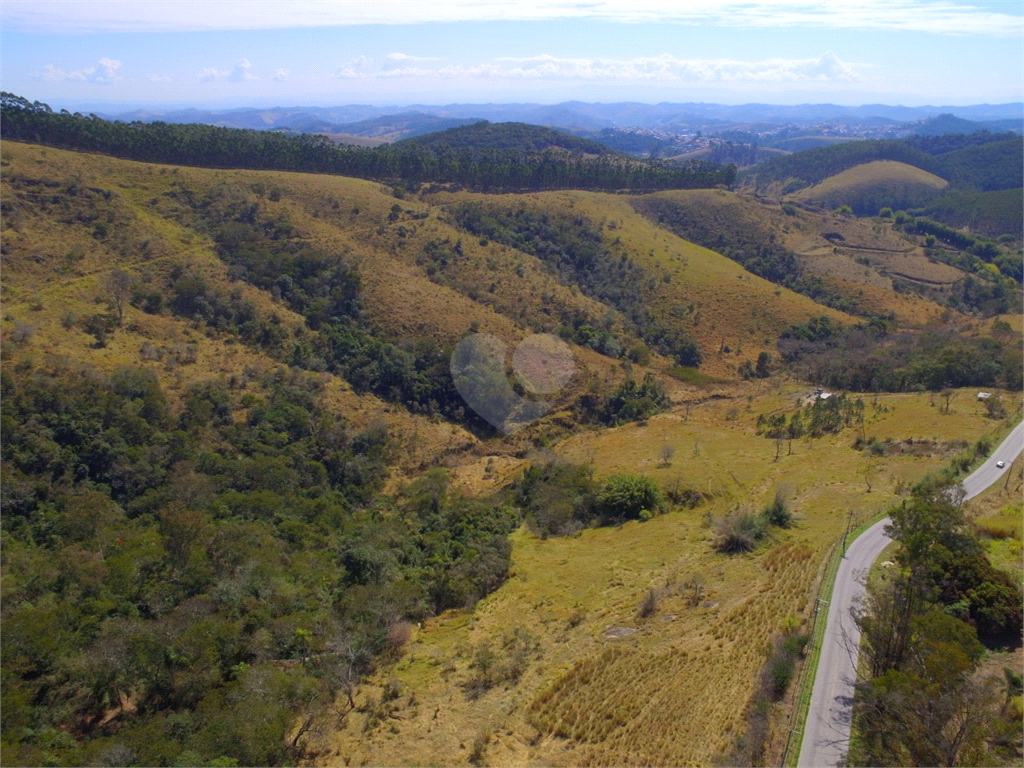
point(118, 286)
point(869, 471)
point(694, 587)
point(947, 395)
point(667, 452)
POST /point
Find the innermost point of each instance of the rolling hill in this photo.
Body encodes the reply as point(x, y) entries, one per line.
point(403, 125)
point(960, 179)
point(991, 162)
point(516, 137)
point(249, 518)
point(869, 187)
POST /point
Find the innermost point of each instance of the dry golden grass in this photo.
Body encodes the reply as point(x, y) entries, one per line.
point(669, 689)
point(650, 683)
point(40, 287)
point(802, 231)
point(709, 282)
point(868, 175)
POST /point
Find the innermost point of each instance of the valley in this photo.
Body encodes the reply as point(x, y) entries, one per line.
point(248, 372)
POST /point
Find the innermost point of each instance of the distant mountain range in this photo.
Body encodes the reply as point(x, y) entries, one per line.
point(377, 124)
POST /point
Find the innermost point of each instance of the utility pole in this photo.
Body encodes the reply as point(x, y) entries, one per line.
point(814, 623)
point(849, 519)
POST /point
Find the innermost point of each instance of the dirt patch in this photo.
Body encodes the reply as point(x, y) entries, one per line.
point(619, 632)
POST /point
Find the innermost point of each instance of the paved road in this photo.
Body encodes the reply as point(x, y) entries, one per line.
point(827, 729)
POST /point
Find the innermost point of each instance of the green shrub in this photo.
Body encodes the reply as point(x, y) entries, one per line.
point(740, 531)
point(777, 513)
point(626, 497)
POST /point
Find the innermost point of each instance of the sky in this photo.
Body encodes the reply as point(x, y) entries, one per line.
point(232, 53)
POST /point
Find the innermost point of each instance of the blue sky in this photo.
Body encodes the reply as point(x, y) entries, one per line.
point(329, 52)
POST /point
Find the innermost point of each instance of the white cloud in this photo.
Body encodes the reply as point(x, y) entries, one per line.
point(239, 73)
point(406, 72)
point(407, 57)
point(281, 75)
point(159, 79)
point(828, 68)
point(665, 68)
point(952, 17)
point(109, 69)
point(52, 74)
point(106, 72)
point(352, 69)
point(210, 74)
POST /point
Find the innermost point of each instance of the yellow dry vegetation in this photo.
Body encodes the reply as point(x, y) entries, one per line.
point(866, 175)
point(606, 687)
point(42, 285)
point(599, 684)
point(839, 261)
point(713, 284)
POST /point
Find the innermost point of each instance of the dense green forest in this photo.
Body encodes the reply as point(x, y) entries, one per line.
point(875, 357)
point(182, 586)
point(191, 586)
point(981, 162)
point(518, 137)
point(922, 702)
point(405, 163)
point(575, 249)
point(989, 213)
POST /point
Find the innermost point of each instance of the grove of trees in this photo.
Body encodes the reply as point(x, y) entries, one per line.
point(406, 163)
point(924, 700)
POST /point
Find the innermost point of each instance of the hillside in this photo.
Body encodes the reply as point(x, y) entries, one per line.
point(991, 162)
point(515, 137)
point(251, 518)
point(812, 166)
point(985, 167)
point(947, 123)
point(403, 125)
point(989, 213)
point(970, 180)
point(837, 260)
point(872, 186)
point(405, 163)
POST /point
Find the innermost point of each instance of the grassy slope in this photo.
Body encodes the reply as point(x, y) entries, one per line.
point(715, 285)
point(873, 173)
point(644, 699)
point(744, 217)
point(399, 297)
point(406, 303)
point(895, 178)
point(37, 274)
point(659, 674)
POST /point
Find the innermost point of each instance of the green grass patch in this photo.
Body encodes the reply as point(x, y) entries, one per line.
point(689, 375)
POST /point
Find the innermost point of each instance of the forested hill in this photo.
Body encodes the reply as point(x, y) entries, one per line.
point(980, 161)
point(407, 163)
point(516, 137)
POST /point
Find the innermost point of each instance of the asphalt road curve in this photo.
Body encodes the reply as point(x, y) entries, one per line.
point(827, 729)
